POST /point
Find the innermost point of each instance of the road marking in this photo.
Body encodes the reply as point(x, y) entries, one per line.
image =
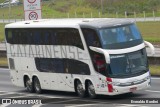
point(95, 103)
point(58, 102)
point(28, 94)
point(48, 96)
point(153, 91)
point(21, 96)
point(102, 102)
point(6, 83)
point(154, 78)
point(7, 93)
point(2, 91)
point(6, 69)
point(38, 105)
point(4, 105)
point(81, 105)
point(130, 105)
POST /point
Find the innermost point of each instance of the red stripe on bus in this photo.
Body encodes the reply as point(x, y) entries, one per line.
point(110, 87)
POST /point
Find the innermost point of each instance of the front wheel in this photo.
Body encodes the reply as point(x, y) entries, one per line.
point(91, 90)
point(37, 86)
point(79, 89)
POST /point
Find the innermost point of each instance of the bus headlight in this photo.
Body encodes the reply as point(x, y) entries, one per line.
point(146, 78)
point(115, 90)
point(115, 83)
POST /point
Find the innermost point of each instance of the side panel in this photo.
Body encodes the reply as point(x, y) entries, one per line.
point(16, 74)
point(25, 54)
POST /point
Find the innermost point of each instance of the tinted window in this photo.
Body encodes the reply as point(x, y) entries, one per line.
point(98, 59)
point(120, 37)
point(57, 65)
point(50, 65)
point(129, 64)
point(91, 37)
point(77, 67)
point(64, 36)
point(9, 36)
point(37, 38)
point(11, 63)
point(24, 37)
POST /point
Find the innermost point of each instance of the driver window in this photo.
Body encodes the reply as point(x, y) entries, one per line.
point(91, 38)
point(128, 33)
point(98, 59)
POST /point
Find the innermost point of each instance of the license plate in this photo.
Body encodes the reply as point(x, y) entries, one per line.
point(133, 89)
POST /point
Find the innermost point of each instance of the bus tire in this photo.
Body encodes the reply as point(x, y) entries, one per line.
point(91, 90)
point(29, 85)
point(79, 89)
point(37, 85)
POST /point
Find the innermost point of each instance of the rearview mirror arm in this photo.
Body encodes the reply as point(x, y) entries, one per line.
point(150, 46)
point(99, 50)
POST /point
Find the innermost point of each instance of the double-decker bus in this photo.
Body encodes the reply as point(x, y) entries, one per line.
point(86, 56)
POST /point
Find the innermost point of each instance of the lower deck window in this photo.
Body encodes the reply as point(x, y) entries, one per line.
point(11, 63)
point(61, 65)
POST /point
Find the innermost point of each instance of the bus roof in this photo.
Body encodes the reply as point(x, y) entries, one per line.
point(62, 23)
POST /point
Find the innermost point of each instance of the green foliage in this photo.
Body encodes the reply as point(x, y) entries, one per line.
point(3, 61)
point(126, 5)
point(1, 1)
point(16, 12)
point(155, 70)
point(2, 32)
point(109, 8)
point(150, 31)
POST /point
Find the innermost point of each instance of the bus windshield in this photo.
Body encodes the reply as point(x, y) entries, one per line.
point(119, 37)
point(128, 64)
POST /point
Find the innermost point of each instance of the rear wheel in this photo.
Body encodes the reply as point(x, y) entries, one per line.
point(37, 86)
point(91, 90)
point(79, 89)
point(29, 85)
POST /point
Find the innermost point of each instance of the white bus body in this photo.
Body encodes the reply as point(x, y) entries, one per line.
point(96, 56)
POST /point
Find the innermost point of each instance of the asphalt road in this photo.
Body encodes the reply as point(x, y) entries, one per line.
point(67, 99)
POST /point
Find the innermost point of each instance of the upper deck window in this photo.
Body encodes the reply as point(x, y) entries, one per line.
point(120, 37)
point(44, 36)
point(91, 37)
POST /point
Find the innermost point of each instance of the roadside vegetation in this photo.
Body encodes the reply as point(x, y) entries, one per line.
point(155, 70)
point(150, 31)
point(89, 8)
point(2, 32)
point(3, 62)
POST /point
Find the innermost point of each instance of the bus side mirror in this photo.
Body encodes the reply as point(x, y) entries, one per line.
point(99, 50)
point(150, 46)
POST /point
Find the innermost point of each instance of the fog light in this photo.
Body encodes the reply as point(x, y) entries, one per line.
point(149, 83)
point(115, 90)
